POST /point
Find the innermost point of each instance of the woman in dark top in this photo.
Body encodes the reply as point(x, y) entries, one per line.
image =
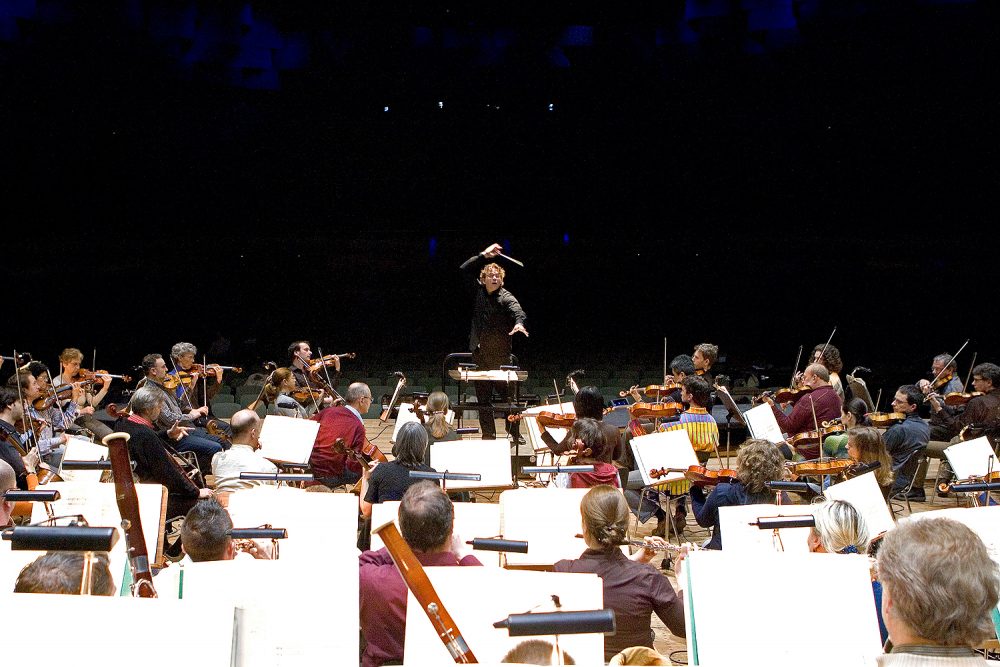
point(389, 481)
point(436, 422)
point(757, 463)
point(633, 588)
point(588, 403)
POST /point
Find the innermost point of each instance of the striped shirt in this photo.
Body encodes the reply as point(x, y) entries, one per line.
point(701, 428)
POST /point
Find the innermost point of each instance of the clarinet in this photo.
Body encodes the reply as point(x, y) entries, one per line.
point(128, 507)
point(416, 580)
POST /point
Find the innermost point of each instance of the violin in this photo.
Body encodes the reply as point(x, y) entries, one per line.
point(942, 380)
point(655, 410)
point(699, 475)
point(63, 392)
point(306, 394)
point(651, 390)
point(201, 369)
point(955, 398)
point(785, 394)
point(327, 360)
point(833, 427)
point(820, 467)
point(547, 419)
point(97, 377)
point(885, 419)
point(213, 428)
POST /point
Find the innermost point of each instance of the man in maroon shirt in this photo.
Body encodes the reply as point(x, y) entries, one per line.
point(823, 398)
point(426, 521)
point(330, 464)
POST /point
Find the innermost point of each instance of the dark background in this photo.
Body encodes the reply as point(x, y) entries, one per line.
point(746, 173)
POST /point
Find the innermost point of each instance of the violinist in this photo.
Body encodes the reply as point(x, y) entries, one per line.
point(300, 354)
point(823, 399)
point(195, 438)
point(277, 395)
point(907, 439)
point(587, 434)
point(588, 403)
point(496, 317)
point(851, 415)
point(945, 368)
point(701, 427)
point(703, 358)
point(981, 413)
point(757, 463)
point(436, 422)
point(331, 467)
point(829, 356)
point(939, 587)
point(12, 443)
point(88, 401)
point(681, 367)
point(51, 422)
point(190, 390)
point(243, 456)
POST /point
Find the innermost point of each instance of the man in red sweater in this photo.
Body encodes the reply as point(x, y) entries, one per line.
point(332, 466)
point(823, 399)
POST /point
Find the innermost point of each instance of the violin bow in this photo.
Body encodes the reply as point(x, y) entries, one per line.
point(326, 372)
point(819, 434)
point(204, 379)
point(305, 376)
point(822, 353)
point(558, 400)
point(965, 387)
point(950, 362)
point(26, 411)
point(795, 369)
point(664, 360)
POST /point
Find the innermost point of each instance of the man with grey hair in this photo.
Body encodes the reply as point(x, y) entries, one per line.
point(822, 399)
point(331, 464)
point(243, 456)
point(153, 454)
point(939, 587)
point(183, 355)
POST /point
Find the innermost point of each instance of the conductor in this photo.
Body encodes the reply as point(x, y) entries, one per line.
point(496, 317)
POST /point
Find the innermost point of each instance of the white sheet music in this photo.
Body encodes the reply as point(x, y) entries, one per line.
point(287, 439)
point(785, 637)
point(972, 457)
point(549, 519)
point(762, 424)
point(81, 449)
point(471, 520)
point(741, 537)
point(489, 458)
point(864, 493)
point(405, 414)
point(670, 449)
point(477, 597)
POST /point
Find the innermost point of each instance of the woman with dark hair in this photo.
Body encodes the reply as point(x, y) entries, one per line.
point(586, 434)
point(852, 414)
point(389, 481)
point(633, 588)
point(588, 403)
point(757, 463)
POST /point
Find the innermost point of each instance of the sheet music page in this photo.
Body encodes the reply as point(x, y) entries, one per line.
point(269, 632)
point(864, 493)
point(81, 449)
point(549, 519)
point(405, 415)
point(317, 523)
point(740, 537)
point(288, 439)
point(762, 424)
point(100, 630)
point(471, 520)
point(477, 597)
point(972, 457)
point(97, 503)
point(785, 637)
point(489, 458)
point(670, 449)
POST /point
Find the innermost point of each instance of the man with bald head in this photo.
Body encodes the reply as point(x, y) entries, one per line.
point(331, 465)
point(823, 399)
point(243, 456)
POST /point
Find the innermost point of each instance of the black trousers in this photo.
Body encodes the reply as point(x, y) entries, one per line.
point(485, 394)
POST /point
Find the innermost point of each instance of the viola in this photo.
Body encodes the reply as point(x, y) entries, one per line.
point(788, 394)
point(954, 398)
point(885, 419)
point(547, 419)
point(819, 467)
point(97, 377)
point(655, 410)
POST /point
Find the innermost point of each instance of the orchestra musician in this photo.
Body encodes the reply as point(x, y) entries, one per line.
point(823, 399)
point(588, 403)
point(426, 522)
point(8, 481)
point(277, 395)
point(587, 434)
point(852, 414)
point(205, 535)
point(300, 354)
point(945, 365)
point(436, 422)
point(243, 456)
point(841, 529)
point(61, 573)
point(829, 357)
point(496, 317)
point(936, 614)
point(907, 439)
point(981, 414)
point(757, 463)
point(865, 445)
point(11, 411)
point(332, 467)
point(681, 367)
point(195, 438)
point(389, 481)
point(69, 361)
point(703, 358)
point(152, 453)
point(51, 438)
point(633, 589)
point(190, 390)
